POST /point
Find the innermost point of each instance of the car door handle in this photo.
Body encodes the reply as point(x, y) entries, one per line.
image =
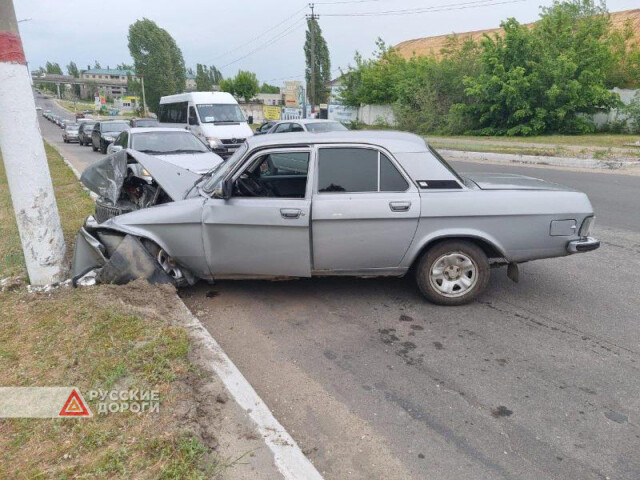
point(290, 213)
point(399, 206)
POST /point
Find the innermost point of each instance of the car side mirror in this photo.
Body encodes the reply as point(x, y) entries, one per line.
point(116, 148)
point(227, 188)
point(250, 120)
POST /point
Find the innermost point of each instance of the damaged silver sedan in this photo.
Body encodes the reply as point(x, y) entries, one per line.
point(341, 203)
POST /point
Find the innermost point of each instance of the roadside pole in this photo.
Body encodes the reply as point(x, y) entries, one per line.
point(144, 100)
point(25, 160)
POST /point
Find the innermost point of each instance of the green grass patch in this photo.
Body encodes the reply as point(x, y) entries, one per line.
point(604, 140)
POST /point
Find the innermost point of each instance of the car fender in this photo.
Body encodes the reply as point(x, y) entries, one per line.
point(421, 241)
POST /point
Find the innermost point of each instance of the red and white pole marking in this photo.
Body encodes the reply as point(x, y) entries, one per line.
point(25, 161)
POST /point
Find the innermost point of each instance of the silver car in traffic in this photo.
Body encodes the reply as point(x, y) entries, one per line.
point(341, 203)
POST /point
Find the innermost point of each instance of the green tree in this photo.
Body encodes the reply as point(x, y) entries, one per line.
point(72, 69)
point(321, 62)
point(266, 88)
point(125, 66)
point(245, 85)
point(544, 79)
point(215, 75)
point(226, 85)
point(96, 65)
point(157, 59)
point(203, 80)
point(53, 68)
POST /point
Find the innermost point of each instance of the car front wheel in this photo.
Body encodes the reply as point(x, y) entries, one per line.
point(453, 272)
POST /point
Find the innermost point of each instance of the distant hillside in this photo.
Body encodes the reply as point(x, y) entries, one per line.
point(433, 45)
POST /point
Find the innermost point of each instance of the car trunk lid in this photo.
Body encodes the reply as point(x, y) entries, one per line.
point(510, 181)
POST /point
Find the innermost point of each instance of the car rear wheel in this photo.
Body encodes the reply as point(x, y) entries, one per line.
point(453, 272)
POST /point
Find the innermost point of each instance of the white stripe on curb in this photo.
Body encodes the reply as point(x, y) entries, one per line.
point(288, 458)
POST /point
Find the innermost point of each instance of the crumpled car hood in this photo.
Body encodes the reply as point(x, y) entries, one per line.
point(106, 177)
point(511, 181)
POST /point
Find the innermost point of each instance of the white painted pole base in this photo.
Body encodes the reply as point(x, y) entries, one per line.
point(28, 175)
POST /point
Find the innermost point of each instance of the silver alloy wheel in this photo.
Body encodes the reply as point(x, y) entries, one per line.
point(453, 274)
point(169, 265)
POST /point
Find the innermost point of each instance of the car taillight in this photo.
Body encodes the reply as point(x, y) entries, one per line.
point(587, 223)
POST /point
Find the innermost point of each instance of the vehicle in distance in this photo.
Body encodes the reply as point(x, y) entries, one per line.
point(214, 117)
point(342, 203)
point(84, 132)
point(70, 133)
point(143, 123)
point(265, 127)
point(311, 125)
point(104, 133)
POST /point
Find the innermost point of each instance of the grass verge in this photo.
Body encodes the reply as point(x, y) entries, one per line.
point(98, 339)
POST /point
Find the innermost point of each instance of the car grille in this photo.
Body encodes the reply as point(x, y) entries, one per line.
point(105, 211)
point(232, 141)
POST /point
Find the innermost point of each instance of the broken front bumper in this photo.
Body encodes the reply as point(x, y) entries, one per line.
point(104, 257)
point(583, 245)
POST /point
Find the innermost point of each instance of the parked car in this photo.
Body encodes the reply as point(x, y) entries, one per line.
point(179, 147)
point(84, 132)
point(106, 132)
point(46, 113)
point(343, 203)
point(143, 122)
point(307, 125)
point(265, 127)
point(70, 133)
point(54, 118)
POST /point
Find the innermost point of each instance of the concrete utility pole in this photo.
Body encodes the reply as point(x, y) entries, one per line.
point(25, 160)
point(312, 87)
point(144, 100)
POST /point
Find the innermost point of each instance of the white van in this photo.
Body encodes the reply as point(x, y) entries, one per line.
point(214, 117)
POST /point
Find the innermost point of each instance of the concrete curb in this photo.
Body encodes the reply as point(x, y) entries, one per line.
point(287, 456)
point(573, 162)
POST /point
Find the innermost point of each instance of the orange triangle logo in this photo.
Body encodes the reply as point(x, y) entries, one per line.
point(75, 406)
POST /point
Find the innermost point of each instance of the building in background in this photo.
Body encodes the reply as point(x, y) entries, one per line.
point(108, 82)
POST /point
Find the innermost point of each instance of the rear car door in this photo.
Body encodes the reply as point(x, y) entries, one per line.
point(253, 235)
point(365, 210)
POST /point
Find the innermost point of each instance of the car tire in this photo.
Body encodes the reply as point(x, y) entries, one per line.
point(166, 263)
point(453, 272)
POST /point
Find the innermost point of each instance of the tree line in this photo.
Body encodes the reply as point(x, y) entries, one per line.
point(527, 80)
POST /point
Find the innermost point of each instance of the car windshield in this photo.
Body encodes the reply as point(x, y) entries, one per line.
point(71, 127)
point(220, 113)
point(167, 143)
point(218, 173)
point(114, 127)
point(326, 127)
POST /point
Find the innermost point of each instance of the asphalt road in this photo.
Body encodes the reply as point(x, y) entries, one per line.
point(536, 380)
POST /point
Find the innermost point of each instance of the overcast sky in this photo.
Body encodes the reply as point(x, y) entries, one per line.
point(218, 33)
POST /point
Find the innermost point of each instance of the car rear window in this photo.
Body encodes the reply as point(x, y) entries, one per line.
point(390, 178)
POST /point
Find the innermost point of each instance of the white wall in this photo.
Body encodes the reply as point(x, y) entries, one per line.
point(376, 114)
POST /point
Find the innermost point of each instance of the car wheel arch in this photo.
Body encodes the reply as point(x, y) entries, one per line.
point(490, 246)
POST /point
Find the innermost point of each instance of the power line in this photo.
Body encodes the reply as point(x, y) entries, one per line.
point(440, 8)
point(258, 37)
point(293, 27)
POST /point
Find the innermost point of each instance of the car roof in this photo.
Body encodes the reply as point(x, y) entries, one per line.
point(393, 141)
point(305, 121)
point(112, 121)
point(156, 129)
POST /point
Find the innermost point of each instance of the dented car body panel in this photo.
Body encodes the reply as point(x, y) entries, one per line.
point(263, 215)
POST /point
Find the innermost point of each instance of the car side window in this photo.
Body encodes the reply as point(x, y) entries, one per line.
point(347, 170)
point(390, 178)
point(193, 117)
point(276, 174)
point(353, 170)
point(296, 127)
point(122, 139)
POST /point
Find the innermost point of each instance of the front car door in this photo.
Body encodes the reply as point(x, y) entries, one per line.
point(365, 210)
point(263, 229)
